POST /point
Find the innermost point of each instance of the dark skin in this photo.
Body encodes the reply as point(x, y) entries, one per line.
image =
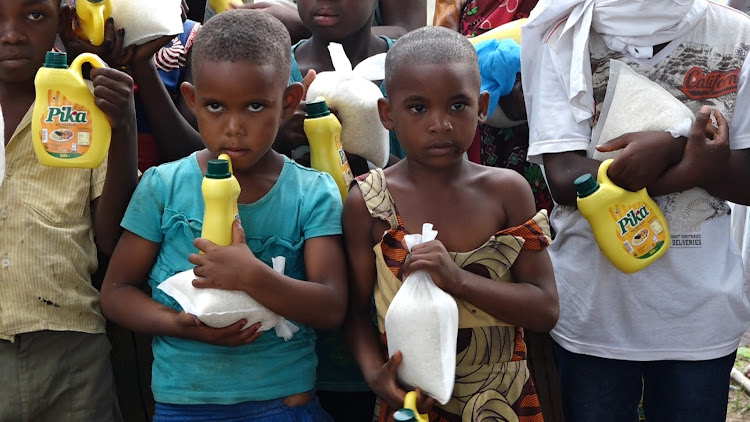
point(29, 29)
point(239, 107)
point(660, 163)
point(399, 17)
point(436, 184)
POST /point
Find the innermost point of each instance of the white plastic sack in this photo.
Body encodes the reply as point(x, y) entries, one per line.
point(220, 308)
point(422, 322)
point(356, 98)
point(634, 103)
point(147, 20)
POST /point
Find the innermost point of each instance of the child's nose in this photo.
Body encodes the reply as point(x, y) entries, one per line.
point(10, 32)
point(441, 122)
point(235, 126)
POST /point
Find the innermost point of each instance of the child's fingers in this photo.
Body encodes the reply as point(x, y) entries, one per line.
point(307, 80)
point(204, 245)
point(393, 362)
point(722, 132)
point(186, 319)
point(424, 402)
point(110, 35)
point(615, 144)
point(197, 259)
point(702, 119)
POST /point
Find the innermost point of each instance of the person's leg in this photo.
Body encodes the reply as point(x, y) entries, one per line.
point(10, 389)
point(66, 376)
point(687, 391)
point(348, 406)
point(596, 389)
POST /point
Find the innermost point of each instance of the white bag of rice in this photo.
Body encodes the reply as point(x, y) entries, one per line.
point(147, 20)
point(422, 322)
point(355, 97)
point(634, 103)
point(220, 308)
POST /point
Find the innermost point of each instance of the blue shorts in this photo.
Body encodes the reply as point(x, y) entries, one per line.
point(257, 411)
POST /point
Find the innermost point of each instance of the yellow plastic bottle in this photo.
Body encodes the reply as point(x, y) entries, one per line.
point(92, 15)
point(323, 132)
point(409, 413)
point(68, 129)
point(220, 192)
point(214, 7)
point(629, 227)
point(508, 30)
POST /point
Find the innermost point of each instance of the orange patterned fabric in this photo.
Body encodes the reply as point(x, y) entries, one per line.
point(492, 379)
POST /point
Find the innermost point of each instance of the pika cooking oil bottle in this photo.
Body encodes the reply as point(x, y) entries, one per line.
point(220, 192)
point(629, 227)
point(323, 132)
point(68, 128)
point(214, 7)
point(92, 15)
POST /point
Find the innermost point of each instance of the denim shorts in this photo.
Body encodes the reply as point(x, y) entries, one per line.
point(257, 411)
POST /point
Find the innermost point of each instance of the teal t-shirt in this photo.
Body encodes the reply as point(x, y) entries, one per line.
point(296, 76)
point(167, 208)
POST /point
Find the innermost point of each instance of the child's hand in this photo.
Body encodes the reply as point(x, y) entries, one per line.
point(233, 335)
point(384, 384)
point(707, 149)
point(111, 50)
point(291, 134)
point(225, 267)
point(113, 92)
point(644, 157)
point(433, 258)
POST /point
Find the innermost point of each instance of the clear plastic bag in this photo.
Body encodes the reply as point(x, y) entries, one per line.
point(220, 308)
point(422, 322)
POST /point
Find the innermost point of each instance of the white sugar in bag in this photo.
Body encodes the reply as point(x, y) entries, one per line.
point(634, 103)
point(147, 20)
point(422, 322)
point(356, 99)
point(220, 308)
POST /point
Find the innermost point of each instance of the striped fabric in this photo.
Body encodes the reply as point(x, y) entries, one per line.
point(47, 250)
point(493, 381)
point(174, 56)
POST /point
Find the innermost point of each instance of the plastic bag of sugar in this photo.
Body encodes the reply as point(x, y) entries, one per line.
point(634, 103)
point(422, 322)
point(220, 308)
point(147, 20)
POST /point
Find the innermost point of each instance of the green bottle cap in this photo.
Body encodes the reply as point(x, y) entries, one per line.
point(317, 108)
point(586, 185)
point(95, 1)
point(56, 60)
point(218, 169)
point(404, 415)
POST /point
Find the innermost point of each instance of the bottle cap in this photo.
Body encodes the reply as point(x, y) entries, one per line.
point(317, 108)
point(218, 169)
point(586, 185)
point(56, 60)
point(404, 415)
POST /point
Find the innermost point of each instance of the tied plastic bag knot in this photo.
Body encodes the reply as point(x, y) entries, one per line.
point(220, 308)
point(422, 322)
point(355, 97)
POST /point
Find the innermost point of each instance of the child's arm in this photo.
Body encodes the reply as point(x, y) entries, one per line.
point(359, 330)
point(319, 302)
point(113, 92)
point(124, 302)
point(174, 136)
point(530, 301)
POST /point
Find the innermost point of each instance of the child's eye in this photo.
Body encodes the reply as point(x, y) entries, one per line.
point(36, 16)
point(419, 108)
point(214, 107)
point(458, 106)
point(255, 107)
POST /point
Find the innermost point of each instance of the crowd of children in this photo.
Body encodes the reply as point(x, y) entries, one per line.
point(235, 84)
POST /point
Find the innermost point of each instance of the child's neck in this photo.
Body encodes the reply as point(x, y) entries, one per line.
point(433, 179)
point(358, 47)
point(15, 99)
point(255, 181)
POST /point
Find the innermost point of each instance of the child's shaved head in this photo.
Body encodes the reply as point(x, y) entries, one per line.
point(429, 45)
point(247, 36)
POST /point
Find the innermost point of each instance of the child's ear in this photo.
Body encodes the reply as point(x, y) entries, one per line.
point(384, 110)
point(188, 92)
point(291, 99)
point(484, 104)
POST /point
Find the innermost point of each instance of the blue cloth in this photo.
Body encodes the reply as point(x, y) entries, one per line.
point(499, 62)
point(672, 390)
point(263, 411)
point(167, 208)
point(296, 76)
point(173, 78)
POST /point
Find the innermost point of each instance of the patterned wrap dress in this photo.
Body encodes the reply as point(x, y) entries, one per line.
point(493, 382)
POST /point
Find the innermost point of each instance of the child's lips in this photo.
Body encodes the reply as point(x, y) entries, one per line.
point(325, 18)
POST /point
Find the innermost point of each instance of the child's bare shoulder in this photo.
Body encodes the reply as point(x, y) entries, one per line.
point(508, 190)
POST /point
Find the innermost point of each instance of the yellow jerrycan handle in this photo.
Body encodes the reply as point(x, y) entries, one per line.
point(78, 62)
point(601, 175)
point(229, 160)
point(95, 22)
point(410, 402)
point(510, 30)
